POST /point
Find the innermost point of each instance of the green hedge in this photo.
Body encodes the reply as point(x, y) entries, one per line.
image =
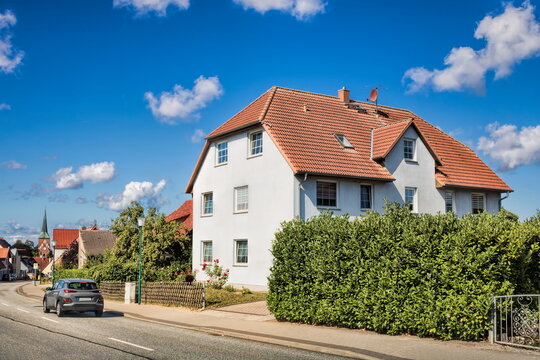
point(430, 275)
point(72, 274)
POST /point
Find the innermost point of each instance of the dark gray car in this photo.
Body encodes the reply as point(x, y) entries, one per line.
point(73, 295)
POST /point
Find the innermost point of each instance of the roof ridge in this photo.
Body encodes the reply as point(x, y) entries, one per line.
point(396, 123)
point(352, 100)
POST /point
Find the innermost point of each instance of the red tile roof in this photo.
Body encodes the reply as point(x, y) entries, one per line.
point(184, 215)
point(42, 262)
point(302, 125)
point(386, 137)
point(4, 253)
point(64, 237)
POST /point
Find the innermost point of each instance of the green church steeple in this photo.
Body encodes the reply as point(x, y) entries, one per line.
point(44, 232)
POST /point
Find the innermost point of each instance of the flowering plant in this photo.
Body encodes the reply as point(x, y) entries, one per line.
point(217, 277)
point(186, 276)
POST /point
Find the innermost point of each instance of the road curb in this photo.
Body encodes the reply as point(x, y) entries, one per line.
point(241, 335)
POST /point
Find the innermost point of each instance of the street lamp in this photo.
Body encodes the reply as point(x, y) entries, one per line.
point(140, 222)
point(53, 244)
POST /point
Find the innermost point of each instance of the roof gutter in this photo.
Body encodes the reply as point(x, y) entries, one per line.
point(503, 198)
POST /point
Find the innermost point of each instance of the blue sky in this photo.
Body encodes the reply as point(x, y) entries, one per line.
point(106, 101)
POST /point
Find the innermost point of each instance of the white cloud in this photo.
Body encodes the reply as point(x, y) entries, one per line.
point(4, 106)
point(9, 58)
point(510, 147)
point(510, 38)
point(12, 164)
point(13, 227)
point(159, 7)
point(65, 178)
point(300, 9)
point(197, 136)
point(182, 103)
point(134, 191)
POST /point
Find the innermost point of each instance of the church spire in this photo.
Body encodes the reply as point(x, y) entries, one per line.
point(44, 232)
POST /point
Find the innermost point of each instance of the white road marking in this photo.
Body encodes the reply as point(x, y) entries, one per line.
point(23, 310)
point(5, 304)
point(128, 343)
point(54, 321)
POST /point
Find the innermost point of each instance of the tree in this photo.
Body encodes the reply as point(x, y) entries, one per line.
point(165, 249)
point(26, 245)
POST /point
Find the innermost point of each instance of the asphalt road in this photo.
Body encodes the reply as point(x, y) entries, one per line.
point(28, 333)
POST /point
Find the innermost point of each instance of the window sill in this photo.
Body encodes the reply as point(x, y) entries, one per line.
point(254, 156)
point(207, 215)
point(411, 161)
point(221, 164)
point(241, 212)
point(240, 265)
point(328, 208)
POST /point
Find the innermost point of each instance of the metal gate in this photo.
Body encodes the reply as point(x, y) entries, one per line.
point(516, 320)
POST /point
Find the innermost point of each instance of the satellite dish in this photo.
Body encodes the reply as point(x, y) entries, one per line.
point(373, 95)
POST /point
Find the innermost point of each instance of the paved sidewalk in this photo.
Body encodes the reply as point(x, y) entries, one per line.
point(339, 341)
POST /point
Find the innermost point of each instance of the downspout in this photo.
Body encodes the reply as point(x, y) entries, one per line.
point(503, 198)
point(299, 202)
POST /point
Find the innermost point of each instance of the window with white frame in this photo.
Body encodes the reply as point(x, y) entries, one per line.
point(409, 149)
point(410, 198)
point(222, 153)
point(207, 255)
point(240, 252)
point(241, 199)
point(255, 143)
point(478, 203)
point(326, 194)
point(207, 203)
point(448, 201)
point(365, 196)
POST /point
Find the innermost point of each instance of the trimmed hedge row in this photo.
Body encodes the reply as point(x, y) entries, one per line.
point(429, 275)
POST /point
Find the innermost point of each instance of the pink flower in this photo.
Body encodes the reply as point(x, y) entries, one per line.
point(216, 261)
point(227, 270)
point(207, 281)
point(219, 278)
point(203, 266)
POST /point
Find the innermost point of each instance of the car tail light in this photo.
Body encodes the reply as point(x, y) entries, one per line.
point(66, 300)
point(70, 291)
point(97, 291)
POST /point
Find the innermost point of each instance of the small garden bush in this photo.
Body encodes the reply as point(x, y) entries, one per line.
point(397, 272)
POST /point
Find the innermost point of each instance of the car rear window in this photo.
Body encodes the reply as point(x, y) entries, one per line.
point(82, 285)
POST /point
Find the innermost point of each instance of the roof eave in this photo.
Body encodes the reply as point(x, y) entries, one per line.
point(312, 173)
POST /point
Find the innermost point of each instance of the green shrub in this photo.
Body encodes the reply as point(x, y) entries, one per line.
point(72, 274)
point(229, 288)
point(397, 272)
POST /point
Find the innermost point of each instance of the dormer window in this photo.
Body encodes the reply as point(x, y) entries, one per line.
point(409, 149)
point(343, 141)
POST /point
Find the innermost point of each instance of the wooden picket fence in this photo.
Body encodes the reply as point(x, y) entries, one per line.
point(166, 293)
point(174, 293)
point(113, 289)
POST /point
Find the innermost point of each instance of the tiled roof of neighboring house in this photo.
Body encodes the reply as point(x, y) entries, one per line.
point(42, 262)
point(303, 124)
point(64, 237)
point(184, 215)
point(95, 242)
point(4, 243)
point(4, 253)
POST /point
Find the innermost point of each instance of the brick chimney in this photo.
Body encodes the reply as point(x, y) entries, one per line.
point(344, 95)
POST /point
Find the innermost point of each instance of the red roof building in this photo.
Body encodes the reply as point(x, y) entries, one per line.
point(183, 215)
point(292, 153)
point(64, 237)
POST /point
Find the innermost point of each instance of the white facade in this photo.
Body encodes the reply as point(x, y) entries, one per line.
point(270, 183)
point(275, 194)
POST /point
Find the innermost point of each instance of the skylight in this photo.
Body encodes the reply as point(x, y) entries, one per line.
point(343, 141)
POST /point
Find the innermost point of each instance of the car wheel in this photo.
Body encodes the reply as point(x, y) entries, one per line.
point(59, 311)
point(45, 308)
point(99, 313)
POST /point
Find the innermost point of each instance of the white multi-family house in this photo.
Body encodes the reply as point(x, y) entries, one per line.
point(293, 153)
